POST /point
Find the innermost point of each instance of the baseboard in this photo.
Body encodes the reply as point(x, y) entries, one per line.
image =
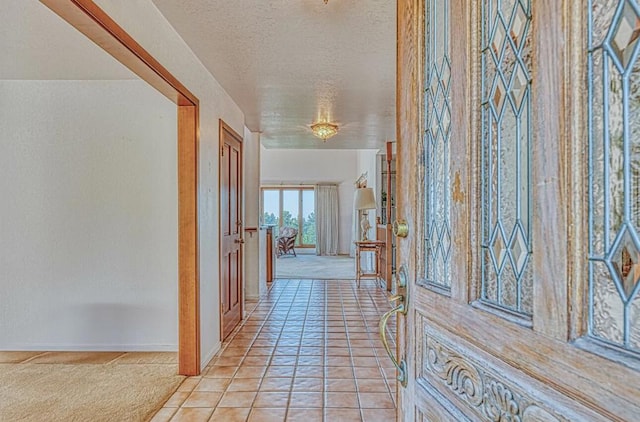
point(91, 347)
point(207, 358)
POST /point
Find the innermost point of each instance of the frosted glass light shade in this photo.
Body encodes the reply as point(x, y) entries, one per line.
point(324, 131)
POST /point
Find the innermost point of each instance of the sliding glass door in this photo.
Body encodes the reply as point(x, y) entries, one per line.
point(308, 217)
point(291, 207)
point(271, 209)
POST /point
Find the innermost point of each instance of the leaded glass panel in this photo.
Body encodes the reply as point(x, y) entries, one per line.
point(614, 176)
point(436, 143)
point(506, 154)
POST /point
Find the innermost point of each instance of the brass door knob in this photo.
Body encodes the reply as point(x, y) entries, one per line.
point(400, 228)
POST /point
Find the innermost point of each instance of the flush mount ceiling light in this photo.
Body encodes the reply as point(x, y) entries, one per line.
point(324, 131)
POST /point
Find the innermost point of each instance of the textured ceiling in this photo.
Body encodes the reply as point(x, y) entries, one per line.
point(290, 63)
point(35, 43)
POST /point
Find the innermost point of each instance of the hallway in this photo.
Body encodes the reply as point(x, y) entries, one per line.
point(309, 351)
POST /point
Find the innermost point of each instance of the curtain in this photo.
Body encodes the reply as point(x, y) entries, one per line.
point(326, 202)
point(355, 229)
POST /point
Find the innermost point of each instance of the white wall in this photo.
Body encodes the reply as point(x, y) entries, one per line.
point(142, 20)
point(306, 166)
point(88, 216)
point(251, 166)
point(366, 163)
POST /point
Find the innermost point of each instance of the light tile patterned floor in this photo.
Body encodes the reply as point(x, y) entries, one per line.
point(310, 351)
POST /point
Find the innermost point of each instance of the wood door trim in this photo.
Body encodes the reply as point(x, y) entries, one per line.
point(99, 27)
point(576, 127)
point(409, 105)
point(88, 18)
point(188, 249)
point(550, 223)
point(224, 127)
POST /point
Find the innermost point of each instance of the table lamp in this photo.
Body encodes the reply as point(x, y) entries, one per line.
point(365, 201)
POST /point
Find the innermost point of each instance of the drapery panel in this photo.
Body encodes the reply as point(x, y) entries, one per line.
point(327, 221)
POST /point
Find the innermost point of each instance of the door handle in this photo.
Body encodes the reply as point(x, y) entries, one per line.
point(400, 228)
point(401, 308)
point(238, 241)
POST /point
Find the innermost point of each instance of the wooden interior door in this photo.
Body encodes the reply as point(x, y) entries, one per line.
point(230, 229)
point(517, 167)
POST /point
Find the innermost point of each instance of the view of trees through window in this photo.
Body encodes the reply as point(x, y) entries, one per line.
point(287, 207)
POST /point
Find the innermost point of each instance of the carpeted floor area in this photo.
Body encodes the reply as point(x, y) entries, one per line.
point(316, 267)
point(85, 386)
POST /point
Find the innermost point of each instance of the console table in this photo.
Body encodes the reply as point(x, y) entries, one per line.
point(375, 247)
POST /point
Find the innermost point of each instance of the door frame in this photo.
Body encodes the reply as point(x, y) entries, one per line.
point(409, 106)
point(99, 27)
point(222, 128)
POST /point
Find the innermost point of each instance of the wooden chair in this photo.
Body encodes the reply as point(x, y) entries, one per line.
point(286, 240)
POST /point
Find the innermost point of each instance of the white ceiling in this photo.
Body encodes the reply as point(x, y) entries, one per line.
point(287, 63)
point(290, 63)
point(35, 44)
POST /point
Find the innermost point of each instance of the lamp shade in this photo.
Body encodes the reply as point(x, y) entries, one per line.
point(365, 199)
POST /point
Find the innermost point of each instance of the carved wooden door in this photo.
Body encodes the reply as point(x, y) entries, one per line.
point(518, 176)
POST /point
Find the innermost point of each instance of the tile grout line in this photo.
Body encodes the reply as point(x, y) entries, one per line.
point(220, 353)
point(268, 365)
point(283, 322)
point(347, 334)
point(377, 357)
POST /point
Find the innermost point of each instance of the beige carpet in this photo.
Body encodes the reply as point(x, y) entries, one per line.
point(116, 391)
point(316, 267)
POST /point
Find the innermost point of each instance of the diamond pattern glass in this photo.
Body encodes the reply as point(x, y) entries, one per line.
point(625, 264)
point(519, 26)
point(614, 173)
point(498, 249)
point(436, 144)
point(499, 96)
point(506, 151)
point(519, 86)
point(498, 38)
point(625, 34)
point(519, 251)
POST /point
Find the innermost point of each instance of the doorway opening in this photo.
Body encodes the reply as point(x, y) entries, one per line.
point(99, 27)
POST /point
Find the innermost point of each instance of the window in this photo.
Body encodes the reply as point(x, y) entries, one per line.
point(291, 207)
point(507, 280)
point(308, 218)
point(437, 135)
point(271, 209)
point(614, 173)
